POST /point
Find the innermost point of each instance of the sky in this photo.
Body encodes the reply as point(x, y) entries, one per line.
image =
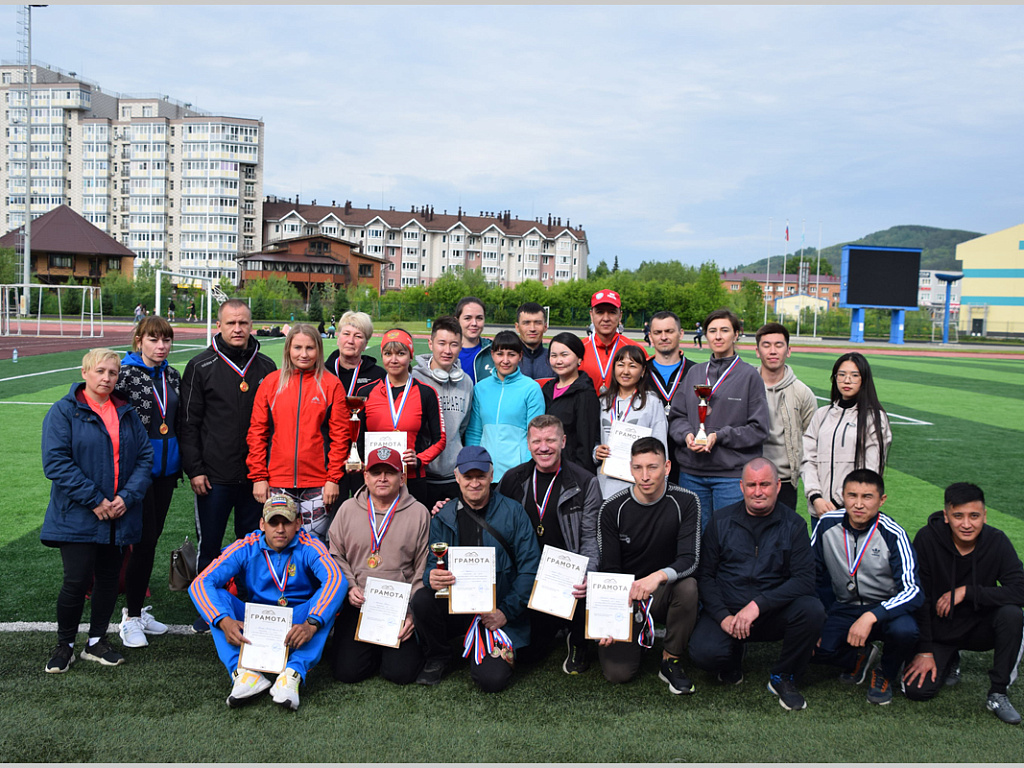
point(680, 132)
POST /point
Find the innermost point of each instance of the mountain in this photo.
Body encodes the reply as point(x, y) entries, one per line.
point(938, 247)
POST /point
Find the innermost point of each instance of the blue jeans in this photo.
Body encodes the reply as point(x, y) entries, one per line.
point(713, 492)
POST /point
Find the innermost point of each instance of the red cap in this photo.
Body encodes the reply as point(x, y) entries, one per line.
point(606, 297)
point(385, 455)
point(397, 334)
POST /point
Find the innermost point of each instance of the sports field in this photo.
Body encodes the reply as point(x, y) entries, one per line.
point(953, 419)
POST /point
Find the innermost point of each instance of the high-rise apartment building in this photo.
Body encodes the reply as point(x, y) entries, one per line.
point(180, 187)
point(420, 246)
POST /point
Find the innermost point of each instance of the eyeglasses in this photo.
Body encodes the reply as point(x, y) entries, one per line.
point(843, 376)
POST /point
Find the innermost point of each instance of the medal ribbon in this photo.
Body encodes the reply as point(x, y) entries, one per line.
point(161, 405)
point(240, 371)
point(721, 378)
point(646, 638)
point(480, 641)
point(280, 584)
point(543, 505)
point(846, 545)
point(379, 533)
point(676, 379)
point(355, 375)
point(605, 369)
point(396, 414)
point(616, 408)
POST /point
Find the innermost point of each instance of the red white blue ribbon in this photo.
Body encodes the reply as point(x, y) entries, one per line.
point(278, 582)
point(161, 405)
point(480, 641)
point(543, 505)
point(396, 411)
point(646, 638)
point(615, 409)
point(240, 371)
point(604, 370)
point(355, 375)
point(676, 379)
point(852, 568)
point(379, 532)
point(721, 378)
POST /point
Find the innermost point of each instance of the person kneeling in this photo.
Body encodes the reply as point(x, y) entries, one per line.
point(280, 565)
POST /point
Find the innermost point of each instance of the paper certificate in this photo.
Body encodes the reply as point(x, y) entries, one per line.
point(382, 615)
point(620, 440)
point(474, 590)
point(396, 440)
point(559, 571)
point(609, 609)
point(265, 627)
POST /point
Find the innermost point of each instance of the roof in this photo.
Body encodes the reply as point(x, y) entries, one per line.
point(435, 222)
point(777, 277)
point(64, 231)
point(293, 258)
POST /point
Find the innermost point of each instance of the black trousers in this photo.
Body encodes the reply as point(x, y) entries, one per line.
point(212, 512)
point(544, 629)
point(353, 661)
point(87, 565)
point(787, 495)
point(140, 562)
point(1001, 630)
point(436, 627)
point(797, 624)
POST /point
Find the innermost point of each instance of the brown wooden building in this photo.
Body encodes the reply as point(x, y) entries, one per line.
point(313, 260)
point(64, 243)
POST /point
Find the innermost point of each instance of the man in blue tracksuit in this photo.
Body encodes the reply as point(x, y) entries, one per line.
point(868, 581)
point(280, 564)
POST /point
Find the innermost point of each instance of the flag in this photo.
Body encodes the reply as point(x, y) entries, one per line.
point(787, 231)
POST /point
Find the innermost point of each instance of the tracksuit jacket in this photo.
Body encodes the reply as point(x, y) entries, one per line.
point(299, 437)
point(594, 350)
point(502, 409)
point(421, 420)
point(535, 363)
point(135, 383)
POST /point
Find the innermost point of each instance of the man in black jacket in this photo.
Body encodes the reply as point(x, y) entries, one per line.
point(757, 583)
point(217, 393)
point(562, 501)
point(973, 583)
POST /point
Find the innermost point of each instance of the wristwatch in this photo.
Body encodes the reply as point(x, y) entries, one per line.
point(315, 622)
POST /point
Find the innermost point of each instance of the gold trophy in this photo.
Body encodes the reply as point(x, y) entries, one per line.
point(355, 405)
point(703, 392)
point(440, 548)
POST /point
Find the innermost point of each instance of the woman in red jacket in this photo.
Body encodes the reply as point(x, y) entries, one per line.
point(400, 403)
point(299, 434)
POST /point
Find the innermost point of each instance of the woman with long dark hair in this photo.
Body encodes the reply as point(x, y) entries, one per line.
point(571, 397)
point(851, 432)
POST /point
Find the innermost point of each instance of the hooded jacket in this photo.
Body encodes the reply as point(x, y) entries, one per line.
point(992, 574)
point(502, 409)
point(456, 400)
point(78, 459)
point(579, 410)
point(136, 383)
point(791, 405)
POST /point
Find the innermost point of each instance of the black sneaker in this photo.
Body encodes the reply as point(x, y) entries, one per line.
point(673, 674)
point(102, 652)
point(865, 661)
point(200, 627)
point(954, 676)
point(1000, 706)
point(880, 691)
point(731, 676)
point(433, 672)
point(61, 660)
point(575, 658)
point(785, 688)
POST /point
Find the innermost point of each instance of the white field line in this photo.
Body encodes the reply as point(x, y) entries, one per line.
point(183, 348)
point(51, 626)
point(896, 419)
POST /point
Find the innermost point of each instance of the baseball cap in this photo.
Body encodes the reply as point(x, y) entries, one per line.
point(387, 456)
point(606, 297)
point(280, 504)
point(473, 457)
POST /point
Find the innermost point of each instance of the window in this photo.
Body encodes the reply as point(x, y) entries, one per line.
point(147, 111)
point(61, 262)
point(114, 263)
point(411, 235)
point(376, 233)
point(366, 270)
point(391, 282)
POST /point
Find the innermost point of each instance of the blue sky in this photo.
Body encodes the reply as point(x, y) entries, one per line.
point(668, 132)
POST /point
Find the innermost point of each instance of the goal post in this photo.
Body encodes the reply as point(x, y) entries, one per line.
point(206, 283)
point(37, 309)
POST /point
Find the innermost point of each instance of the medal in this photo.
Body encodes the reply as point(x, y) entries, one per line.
point(373, 560)
point(668, 407)
point(377, 533)
point(244, 386)
point(542, 506)
point(496, 653)
point(604, 389)
point(667, 394)
point(282, 600)
point(722, 378)
point(615, 409)
point(604, 370)
point(851, 587)
point(540, 530)
point(852, 567)
point(163, 429)
point(282, 582)
point(161, 403)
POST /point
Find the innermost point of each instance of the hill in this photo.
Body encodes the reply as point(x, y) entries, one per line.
point(938, 247)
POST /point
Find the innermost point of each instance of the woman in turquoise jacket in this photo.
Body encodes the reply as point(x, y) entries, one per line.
point(503, 405)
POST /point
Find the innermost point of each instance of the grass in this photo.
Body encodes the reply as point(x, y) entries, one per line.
point(166, 704)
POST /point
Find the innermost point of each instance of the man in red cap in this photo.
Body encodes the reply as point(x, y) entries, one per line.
point(600, 349)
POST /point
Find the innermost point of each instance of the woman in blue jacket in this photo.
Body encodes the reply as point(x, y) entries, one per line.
point(98, 457)
point(503, 405)
point(149, 384)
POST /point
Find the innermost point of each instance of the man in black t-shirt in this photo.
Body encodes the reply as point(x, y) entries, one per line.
point(652, 530)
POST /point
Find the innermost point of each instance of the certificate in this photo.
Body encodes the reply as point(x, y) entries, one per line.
point(609, 609)
point(383, 613)
point(395, 440)
point(620, 440)
point(265, 627)
point(559, 571)
point(474, 590)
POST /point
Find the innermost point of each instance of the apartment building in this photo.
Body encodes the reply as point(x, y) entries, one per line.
point(181, 187)
point(420, 245)
point(779, 286)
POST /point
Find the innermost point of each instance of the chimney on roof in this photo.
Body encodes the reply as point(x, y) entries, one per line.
point(460, 213)
point(481, 214)
point(549, 221)
point(413, 209)
point(567, 224)
point(334, 203)
point(296, 199)
point(431, 213)
point(314, 201)
point(348, 206)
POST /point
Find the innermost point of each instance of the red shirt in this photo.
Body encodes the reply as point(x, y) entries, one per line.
point(594, 349)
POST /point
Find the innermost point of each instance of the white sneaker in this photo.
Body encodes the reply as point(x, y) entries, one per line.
point(131, 632)
point(150, 625)
point(286, 690)
point(247, 686)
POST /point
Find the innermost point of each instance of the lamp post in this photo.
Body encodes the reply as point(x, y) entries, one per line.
point(26, 274)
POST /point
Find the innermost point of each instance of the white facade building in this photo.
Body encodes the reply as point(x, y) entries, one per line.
point(180, 187)
point(931, 292)
point(420, 246)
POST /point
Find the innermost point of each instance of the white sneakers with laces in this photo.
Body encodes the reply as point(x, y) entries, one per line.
point(286, 690)
point(248, 685)
point(132, 633)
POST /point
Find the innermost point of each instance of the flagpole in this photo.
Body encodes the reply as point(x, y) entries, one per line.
point(799, 274)
point(784, 255)
point(817, 281)
point(768, 270)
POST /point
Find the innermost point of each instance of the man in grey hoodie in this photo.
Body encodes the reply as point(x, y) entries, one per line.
point(791, 404)
point(441, 370)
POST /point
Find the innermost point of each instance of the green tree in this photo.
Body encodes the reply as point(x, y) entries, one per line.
point(598, 272)
point(316, 307)
point(750, 304)
point(9, 267)
point(703, 295)
point(615, 264)
point(793, 264)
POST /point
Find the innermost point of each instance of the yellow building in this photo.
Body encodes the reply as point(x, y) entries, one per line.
point(992, 294)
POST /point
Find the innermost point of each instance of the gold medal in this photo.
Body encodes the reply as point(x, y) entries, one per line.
point(282, 600)
point(496, 652)
point(540, 530)
point(244, 386)
point(163, 429)
point(373, 560)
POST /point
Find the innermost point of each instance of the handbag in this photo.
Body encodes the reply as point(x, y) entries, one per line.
point(183, 566)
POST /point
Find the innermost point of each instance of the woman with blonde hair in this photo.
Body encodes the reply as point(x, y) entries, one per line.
point(299, 433)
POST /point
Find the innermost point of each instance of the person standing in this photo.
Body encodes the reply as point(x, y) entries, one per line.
point(217, 394)
point(171, 309)
point(601, 346)
point(737, 419)
point(791, 405)
point(571, 398)
point(531, 325)
point(473, 357)
point(698, 334)
point(151, 386)
point(440, 369)
point(669, 367)
point(98, 458)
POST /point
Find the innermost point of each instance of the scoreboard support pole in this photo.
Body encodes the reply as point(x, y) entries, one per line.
point(899, 317)
point(857, 316)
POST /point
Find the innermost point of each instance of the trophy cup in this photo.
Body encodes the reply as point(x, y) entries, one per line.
point(355, 404)
point(439, 548)
point(703, 392)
